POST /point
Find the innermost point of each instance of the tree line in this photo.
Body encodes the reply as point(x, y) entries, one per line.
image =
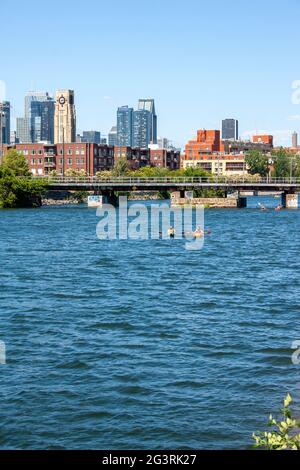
point(17, 186)
point(280, 163)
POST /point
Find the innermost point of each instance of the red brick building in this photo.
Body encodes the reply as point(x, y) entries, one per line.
point(208, 141)
point(263, 139)
point(135, 156)
point(138, 158)
point(165, 158)
point(45, 158)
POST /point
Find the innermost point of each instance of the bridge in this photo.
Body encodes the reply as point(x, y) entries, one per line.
point(173, 183)
point(289, 187)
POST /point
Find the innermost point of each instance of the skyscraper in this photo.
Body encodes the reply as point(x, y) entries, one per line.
point(148, 105)
point(141, 128)
point(65, 117)
point(39, 113)
point(113, 136)
point(124, 126)
point(23, 130)
point(230, 129)
point(5, 122)
point(295, 140)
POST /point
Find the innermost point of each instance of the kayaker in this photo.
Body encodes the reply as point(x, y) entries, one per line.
point(198, 232)
point(171, 232)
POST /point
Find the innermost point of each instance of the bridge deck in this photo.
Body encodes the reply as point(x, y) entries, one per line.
point(180, 183)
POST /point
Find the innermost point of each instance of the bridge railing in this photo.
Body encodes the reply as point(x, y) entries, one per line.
point(169, 180)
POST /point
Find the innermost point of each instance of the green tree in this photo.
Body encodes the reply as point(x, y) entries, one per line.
point(283, 434)
point(297, 166)
point(257, 162)
point(17, 187)
point(150, 172)
point(282, 163)
point(120, 168)
point(285, 163)
point(15, 163)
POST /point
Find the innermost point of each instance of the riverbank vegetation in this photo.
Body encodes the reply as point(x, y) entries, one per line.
point(281, 163)
point(17, 187)
point(121, 168)
point(283, 434)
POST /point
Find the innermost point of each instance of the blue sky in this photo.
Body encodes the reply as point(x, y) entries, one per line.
point(201, 61)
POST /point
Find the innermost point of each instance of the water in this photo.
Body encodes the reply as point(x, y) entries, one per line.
point(142, 344)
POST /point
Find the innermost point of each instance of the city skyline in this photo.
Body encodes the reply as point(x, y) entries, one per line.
point(193, 81)
point(281, 138)
point(139, 133)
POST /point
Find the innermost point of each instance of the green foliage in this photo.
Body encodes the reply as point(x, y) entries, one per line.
point(104, 174)
point(70, 172)
point(257, 162)
point(17, 187)
point(285, 164)
point(120, 168)
point(164, 194)
point(193, 172)
point(149, 172)
point(79, 196)
point(158, 172)
point(284, 434)
point(209, 193)
point(15, 163)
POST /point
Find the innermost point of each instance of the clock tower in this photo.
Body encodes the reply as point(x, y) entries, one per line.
point(65, 117)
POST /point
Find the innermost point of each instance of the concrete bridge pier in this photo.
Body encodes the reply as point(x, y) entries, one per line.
point(241, 202)
point(290, 200)
point(109, 196)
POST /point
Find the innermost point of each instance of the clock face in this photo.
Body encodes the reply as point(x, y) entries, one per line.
point(62, 100)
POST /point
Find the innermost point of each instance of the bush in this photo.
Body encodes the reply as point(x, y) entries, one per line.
point(284, 434)
point(17, 187)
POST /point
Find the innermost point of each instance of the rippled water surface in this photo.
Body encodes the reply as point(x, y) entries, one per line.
point(142, 344)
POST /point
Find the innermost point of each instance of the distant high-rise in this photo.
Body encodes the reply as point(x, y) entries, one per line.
point(141, 128)
point(113, 136)
point(13, 138)
point(23, 130)
point(148, 105)
point(39, 116)
point(65, 117)
point(124, 126)
point(230, 129)
point(91, 137)
point(5, 122)
point(295, 140)
point(164, 143)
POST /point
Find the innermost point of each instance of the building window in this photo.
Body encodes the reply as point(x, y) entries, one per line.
point(40, 152)
point(70, 161)
point(70, 152)
point(33, 161)
point(33, 152)
point(40, 161)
